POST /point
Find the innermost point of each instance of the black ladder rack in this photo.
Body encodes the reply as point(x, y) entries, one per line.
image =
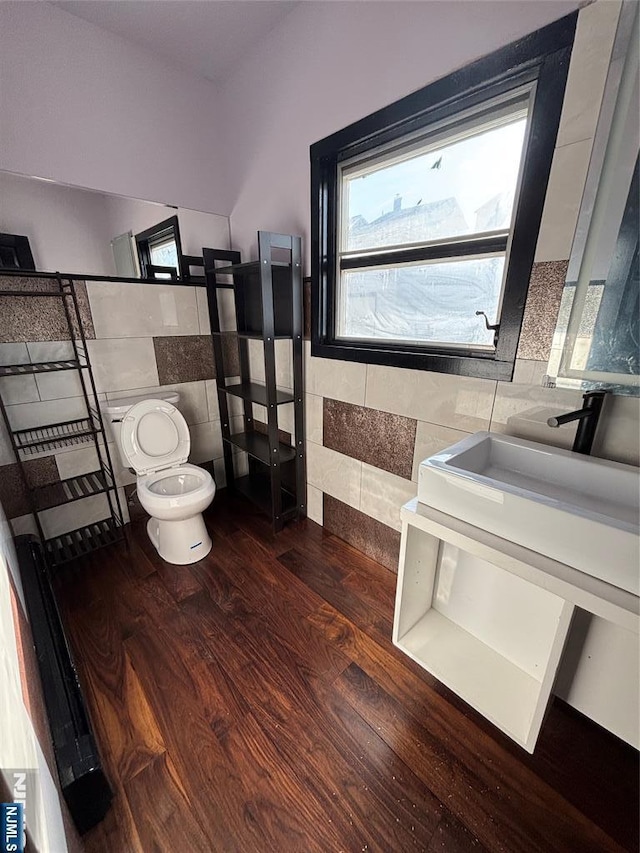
point(268, 307)
point(48, 437)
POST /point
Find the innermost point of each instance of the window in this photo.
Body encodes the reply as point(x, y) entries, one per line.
point(425, 215)
point(160, 250)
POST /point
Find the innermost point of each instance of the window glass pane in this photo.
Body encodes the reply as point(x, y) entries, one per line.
point(425, 303)
point(164, 254)
point(461, 188)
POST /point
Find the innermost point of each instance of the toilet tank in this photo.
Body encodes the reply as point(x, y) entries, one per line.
point(114, 411)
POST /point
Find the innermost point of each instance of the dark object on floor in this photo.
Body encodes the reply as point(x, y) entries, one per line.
point(82, 779)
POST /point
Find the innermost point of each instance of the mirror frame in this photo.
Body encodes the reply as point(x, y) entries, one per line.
point(618, 91)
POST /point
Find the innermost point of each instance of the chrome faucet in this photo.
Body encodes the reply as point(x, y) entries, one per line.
point(587, 418)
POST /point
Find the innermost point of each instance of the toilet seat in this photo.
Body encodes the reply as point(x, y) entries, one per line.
point(154, 436)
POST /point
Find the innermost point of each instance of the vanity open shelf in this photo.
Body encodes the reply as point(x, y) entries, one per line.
point(492, 637)
point(489, 618)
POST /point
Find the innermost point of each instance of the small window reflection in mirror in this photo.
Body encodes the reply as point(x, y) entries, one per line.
point(160, 250)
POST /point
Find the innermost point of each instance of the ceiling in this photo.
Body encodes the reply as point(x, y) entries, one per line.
point(208, 37)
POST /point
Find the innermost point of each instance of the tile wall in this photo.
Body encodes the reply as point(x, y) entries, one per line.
point(142, 338)
point(368, 427)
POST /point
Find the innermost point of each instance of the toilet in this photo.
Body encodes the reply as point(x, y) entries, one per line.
point(154, 441)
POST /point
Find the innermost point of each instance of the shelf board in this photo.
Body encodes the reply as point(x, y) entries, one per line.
point(69, 546)
point(40, 367)
point(248, 268)
point(496, 687)
point(258, 490)
point(72, 489)
point(52, 436)
point(256, 393)
point(256, 444)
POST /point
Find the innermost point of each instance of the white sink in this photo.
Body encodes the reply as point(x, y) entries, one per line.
point(575, 509)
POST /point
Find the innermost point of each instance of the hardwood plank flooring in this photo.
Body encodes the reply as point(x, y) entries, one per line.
point(254, 702)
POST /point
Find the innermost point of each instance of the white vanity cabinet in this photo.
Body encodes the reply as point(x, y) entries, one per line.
point(480, 627)
point(504, 626)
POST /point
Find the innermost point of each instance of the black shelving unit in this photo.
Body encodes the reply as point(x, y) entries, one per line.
point(27, 443)
point(268, 307)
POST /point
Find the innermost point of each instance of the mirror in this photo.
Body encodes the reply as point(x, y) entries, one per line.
point(79, 231)
point(597, 338)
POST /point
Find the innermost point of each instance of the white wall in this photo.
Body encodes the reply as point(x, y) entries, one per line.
point(330, 64)
point(67, 228)
point(86, 107)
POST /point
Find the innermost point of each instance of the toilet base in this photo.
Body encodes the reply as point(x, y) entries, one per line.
point(180, 542)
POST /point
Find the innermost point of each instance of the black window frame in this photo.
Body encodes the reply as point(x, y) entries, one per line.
point(167, 228)
point(540, 58)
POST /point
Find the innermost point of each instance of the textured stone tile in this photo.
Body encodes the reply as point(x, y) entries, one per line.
point(306, 301)
point(13, 494)
point(189, 358)
point(541, 310)
point(383, 440)
point(32, 319)
point(373, 538)
point(184, 358)
point(42, 471)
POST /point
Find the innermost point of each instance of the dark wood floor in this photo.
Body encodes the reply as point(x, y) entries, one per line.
point(254, 702)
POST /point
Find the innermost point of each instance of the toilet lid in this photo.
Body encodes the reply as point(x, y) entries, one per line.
point(154, 436)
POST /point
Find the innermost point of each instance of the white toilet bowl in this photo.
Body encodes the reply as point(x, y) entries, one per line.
point(155, 440)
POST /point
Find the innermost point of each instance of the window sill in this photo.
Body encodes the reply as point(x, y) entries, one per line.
point(476, 366)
